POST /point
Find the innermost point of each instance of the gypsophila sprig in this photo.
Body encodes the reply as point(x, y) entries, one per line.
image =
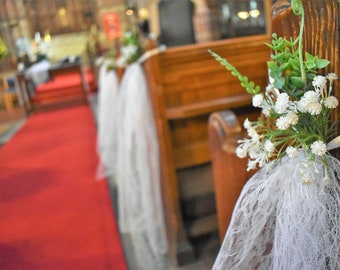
point(297, 103)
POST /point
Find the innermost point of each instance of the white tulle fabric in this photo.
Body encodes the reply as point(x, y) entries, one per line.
point(107, 115)
point(138, 172)
point(288, 218)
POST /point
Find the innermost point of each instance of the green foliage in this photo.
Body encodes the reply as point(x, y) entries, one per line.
point(290, 72)
point(313, 62)
point(245, 83)
point(111, 56)
point(130, 39)
point(3, 49)
point(297, 7)
point(285, 67)
point(296, 103)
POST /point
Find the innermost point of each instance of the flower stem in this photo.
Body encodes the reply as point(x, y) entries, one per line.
point(297, 8)
point(303, 71)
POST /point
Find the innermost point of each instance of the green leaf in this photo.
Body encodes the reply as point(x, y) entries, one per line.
point(309, 57)
point(313, 62)
point(279, 82)
point(321, 63)
point(295, 42)
point(284, 66)
point(269, 45)
point(297, 82)
point(310, 65)
point(271, 64)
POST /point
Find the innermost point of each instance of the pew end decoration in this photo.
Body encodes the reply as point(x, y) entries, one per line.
point(288, 213)
point(130, 49)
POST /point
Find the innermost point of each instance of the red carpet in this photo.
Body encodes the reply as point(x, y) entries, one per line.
point(53, 213)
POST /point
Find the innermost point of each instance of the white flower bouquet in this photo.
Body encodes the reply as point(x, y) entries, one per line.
point(288, 213)
point(130, 50)
point(296, 104)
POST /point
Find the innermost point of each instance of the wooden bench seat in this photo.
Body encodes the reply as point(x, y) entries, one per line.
point(186, 85)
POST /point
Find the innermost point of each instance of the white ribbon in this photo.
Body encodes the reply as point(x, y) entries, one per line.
point(151, 53)
point(333, 144)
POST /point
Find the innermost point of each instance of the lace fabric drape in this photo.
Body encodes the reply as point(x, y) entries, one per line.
point(138, 172)
point(107, 122)
point(287, 217)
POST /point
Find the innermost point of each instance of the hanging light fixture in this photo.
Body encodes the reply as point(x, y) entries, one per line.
point(254, 12)
point(129, 11)
point(243, 15)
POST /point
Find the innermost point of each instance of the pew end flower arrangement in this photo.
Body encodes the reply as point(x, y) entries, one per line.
point(130, 50)
point(297, 105)
point(288, 214)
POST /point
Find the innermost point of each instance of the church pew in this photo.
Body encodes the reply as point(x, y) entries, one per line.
point(230, 172)
point(186, 85)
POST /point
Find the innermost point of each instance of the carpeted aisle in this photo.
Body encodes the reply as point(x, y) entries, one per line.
point(53, 213)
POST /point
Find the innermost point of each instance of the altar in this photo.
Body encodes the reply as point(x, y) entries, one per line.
point(56, 85)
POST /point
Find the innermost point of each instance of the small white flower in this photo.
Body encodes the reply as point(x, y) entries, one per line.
point(331, 102)
point(269, 88)
point(254, 150)
point(269, 146)
point(319, 82)
point(253, 134)
point(311, 96)
point(247, 124)
point(251, 165)
point(314, 108)
point(318, 148)
point(292, 118)
point(331, 77)
point(262, 163)
point(302, 105)
point(276, 92)
point(282, 103)
point(257, 100)
point(282, 123)
point(266, 112)
point(292, 152)
point(240, 152)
